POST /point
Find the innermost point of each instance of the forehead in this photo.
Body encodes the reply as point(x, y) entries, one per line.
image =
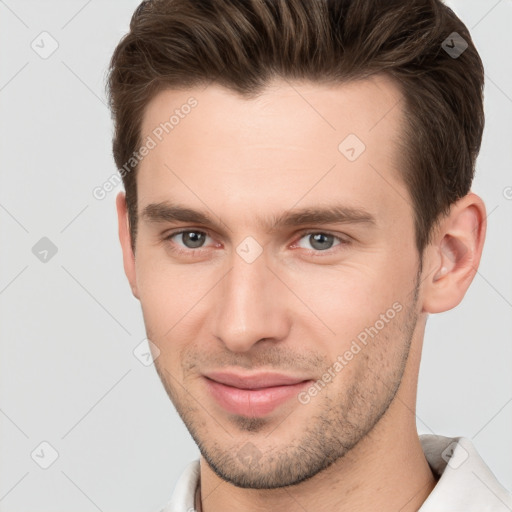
point(296, 141)
point(305, 108)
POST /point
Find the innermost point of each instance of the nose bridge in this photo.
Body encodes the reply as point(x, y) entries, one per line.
point(249, 308)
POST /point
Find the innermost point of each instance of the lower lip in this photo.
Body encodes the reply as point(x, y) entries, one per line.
point(252, 402)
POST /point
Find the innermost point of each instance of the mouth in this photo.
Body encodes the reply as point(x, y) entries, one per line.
point(253, 395)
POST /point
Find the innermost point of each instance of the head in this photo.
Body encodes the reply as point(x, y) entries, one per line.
point(317, 158)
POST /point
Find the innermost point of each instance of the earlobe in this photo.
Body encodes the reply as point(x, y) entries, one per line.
point(125, 239)
point(453, 257)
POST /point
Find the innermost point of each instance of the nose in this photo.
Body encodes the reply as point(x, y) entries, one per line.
point(251, 305)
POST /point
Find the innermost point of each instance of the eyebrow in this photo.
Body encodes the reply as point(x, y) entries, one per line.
point(331, 214)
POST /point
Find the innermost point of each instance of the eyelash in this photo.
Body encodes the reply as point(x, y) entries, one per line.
point(192, 252)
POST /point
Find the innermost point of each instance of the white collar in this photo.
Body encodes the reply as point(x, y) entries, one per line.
point(466, 484)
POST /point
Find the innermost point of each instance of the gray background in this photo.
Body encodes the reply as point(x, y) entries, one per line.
point(68, 375)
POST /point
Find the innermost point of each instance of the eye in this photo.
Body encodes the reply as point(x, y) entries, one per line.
point(190, 239)
point(319, 241)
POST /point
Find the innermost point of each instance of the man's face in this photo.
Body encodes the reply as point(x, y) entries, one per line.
point(232, 299)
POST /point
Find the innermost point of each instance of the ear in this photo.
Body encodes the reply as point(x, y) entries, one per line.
point(125, 239)
point(451, 259)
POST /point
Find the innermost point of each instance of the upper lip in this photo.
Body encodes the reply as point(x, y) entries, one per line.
point(255, 380)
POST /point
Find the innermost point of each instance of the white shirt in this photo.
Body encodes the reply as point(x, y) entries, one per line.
point(465, 484)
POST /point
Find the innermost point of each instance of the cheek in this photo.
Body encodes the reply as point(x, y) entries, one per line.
point(170, 297)
point(160, 282)
point(160, 294)
point(342, 303)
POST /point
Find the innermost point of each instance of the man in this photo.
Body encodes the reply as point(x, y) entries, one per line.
point(297, 178)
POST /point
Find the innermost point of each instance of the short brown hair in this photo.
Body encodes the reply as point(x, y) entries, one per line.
point(243, 44)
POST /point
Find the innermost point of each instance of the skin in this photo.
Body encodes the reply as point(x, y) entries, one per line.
point(297, 307)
